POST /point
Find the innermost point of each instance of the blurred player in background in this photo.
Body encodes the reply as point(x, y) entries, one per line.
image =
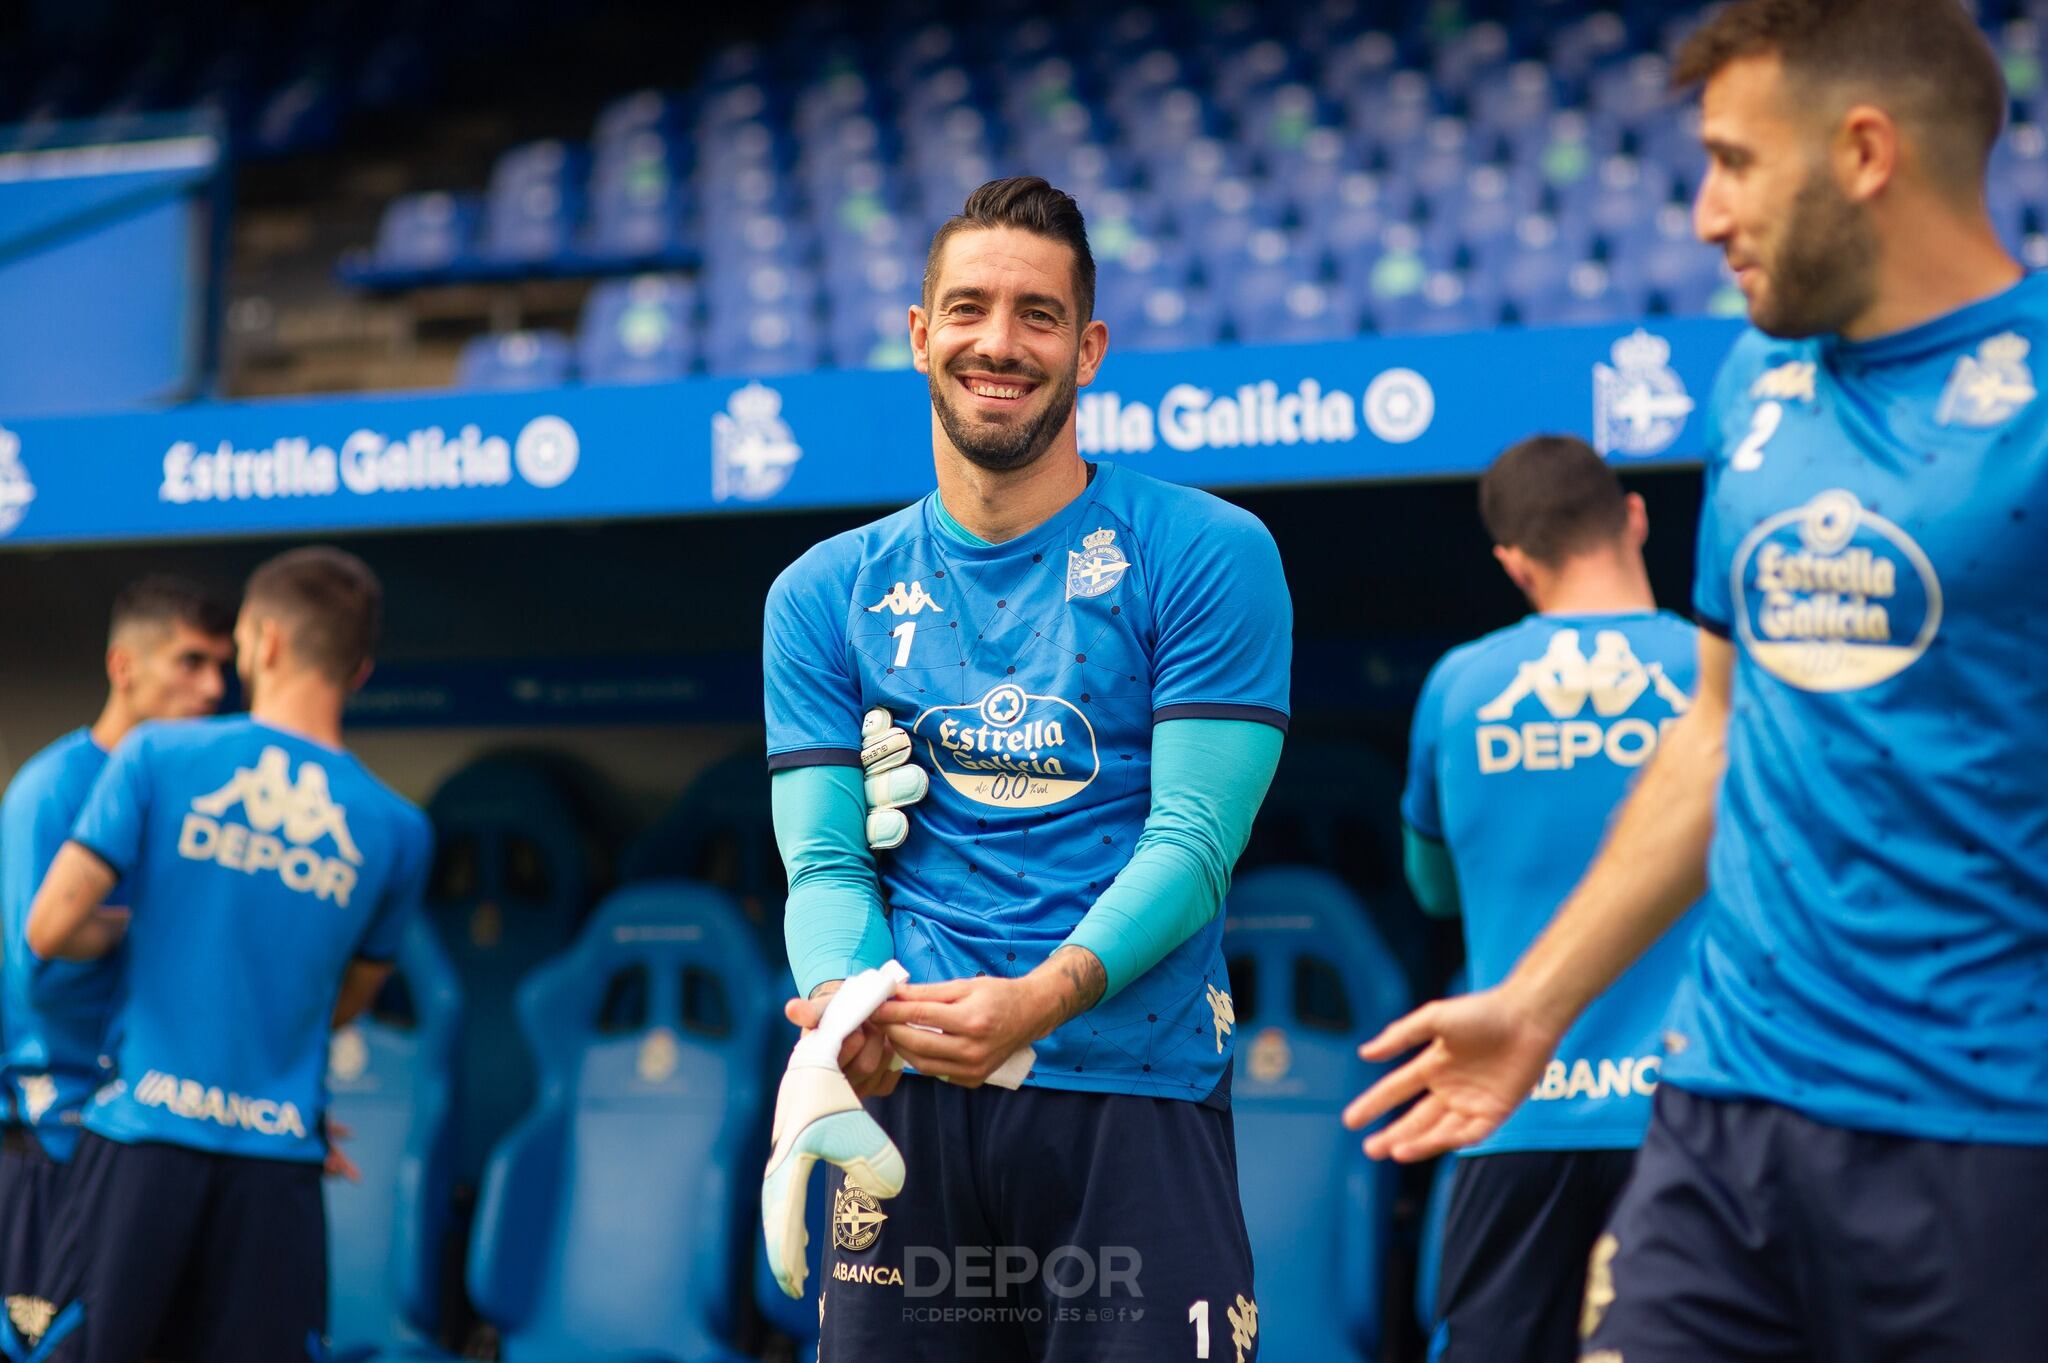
point(269, 876)
point(1850, 1150)
point(1093, 667)
point(1524, 742)
point(169, 645)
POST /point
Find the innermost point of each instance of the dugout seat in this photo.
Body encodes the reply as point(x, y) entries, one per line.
point(392, 1078)
point(796, 1317)
point(616, 1218)
point(511, 875)
point(719, 832)
point(1310, 978)
point(515, 360)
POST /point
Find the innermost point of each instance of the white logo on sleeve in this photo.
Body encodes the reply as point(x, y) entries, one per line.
point(272, 802)
point(1990, 387)
point(1639, 404)
point(1565, 680)
point(906, 601)
point(753, 450)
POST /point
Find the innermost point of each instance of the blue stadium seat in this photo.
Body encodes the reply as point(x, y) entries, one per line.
point(516, 360)
point(638, 199)
point(534, 204)
point(512, 874)
point(392, 1077)
point(640, 330)
point(1310, 979)
point(762, 340)
point(720, 832)
point(616, 1220)
point(1170, 318)
point(422, 233)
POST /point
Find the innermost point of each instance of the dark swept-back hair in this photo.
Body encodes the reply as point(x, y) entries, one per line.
point(1029, 204)
point(329, 604)
point(1552, 497)
point(1923, 61)
point(164, 600)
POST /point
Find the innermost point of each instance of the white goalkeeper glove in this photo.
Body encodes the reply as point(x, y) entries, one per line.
point(817, 1117)
point(893, 781)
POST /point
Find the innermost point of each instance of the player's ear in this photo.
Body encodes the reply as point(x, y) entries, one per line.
point(1094, 345)
point(362, 676)
point(920, 340)
point(1638, 521)
point(120, 666)
point(1516, 565)
point(1865, 152)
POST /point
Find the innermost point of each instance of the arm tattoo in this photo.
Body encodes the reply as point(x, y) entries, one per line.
point(1082, 977)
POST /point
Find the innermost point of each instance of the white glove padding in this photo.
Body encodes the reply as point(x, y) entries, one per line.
point(893, 782)
point(817, 1117)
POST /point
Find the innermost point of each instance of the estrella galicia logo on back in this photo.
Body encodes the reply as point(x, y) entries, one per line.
point(1833, 597)
point(1011, 749)
point(273, 803)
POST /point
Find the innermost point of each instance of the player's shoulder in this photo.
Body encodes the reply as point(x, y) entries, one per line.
point(406, 816)
point(54, 765)
point(839, 560)
point(1507, 642)
point(1159, 509)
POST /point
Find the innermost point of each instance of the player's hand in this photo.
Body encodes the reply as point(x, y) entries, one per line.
point(337, 1164)
point(893, 782)
point(963, 1030)
point(1481, 1054)
point(866, 1058)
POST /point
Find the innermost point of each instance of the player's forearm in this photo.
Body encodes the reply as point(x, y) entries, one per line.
point(64, 922)
point(833, 923)
point(359, 986)
point(1652, 868)
point(1432, 877)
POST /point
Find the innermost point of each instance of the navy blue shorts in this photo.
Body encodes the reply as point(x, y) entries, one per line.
point(1042, 1224)
point(186, 1254)
point(1750, 1232)
point(31, 1193)
point(1517, 1234)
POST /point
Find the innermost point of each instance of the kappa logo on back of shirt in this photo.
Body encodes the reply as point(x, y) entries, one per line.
point(272, 802)
point(1565, 680)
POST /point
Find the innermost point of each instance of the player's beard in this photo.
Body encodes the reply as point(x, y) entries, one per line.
point(1011, 446)
point(1825, 273)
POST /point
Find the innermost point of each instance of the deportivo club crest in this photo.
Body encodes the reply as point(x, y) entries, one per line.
point(1639, 403)
point(16, 491)
point(1097, 568)
point(1990, 386)
point(753, 450)
point(857, 1218)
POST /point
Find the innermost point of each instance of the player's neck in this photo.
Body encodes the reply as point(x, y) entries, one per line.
point(303, 703)
point(1947, 262)
point(113, 725)
point(1596, 584)
point(998, 507)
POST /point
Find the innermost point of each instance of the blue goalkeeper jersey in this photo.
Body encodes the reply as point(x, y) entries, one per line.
point(1524, 743)
point(258, 865)
point(53, 1014)
point(1875, 544)
point(1030, 674)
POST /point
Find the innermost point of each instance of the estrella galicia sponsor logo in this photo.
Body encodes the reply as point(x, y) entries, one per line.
point(1639, 403)
point(1097, 568)
point(16, 491)
point(1011, 749)
point(1397, 405)
point(753, 450)
point(197, 1102)
point(369, 463)
point(1565, 680)
point(273, 803)
point(1832, 596)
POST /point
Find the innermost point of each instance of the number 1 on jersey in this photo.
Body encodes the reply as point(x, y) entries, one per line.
point(1199, 1314)
point(903, 634)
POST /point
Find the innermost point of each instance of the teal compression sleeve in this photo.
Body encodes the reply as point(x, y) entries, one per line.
point(1209, 777)
point(833, 924)
point(1431, 875)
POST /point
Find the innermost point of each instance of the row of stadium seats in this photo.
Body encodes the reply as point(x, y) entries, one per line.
point(616, 1217)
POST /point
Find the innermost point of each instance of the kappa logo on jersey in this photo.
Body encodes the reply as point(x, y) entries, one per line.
point(1011, 749)
point(906, 602)
point(1791, 382)
point(1097, 568)
point(16, 491)
point(1834, 597)
point(1639, 404)
point(1565, 680)
point(272, 803)
point(753, 450)
point(1990, 387)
